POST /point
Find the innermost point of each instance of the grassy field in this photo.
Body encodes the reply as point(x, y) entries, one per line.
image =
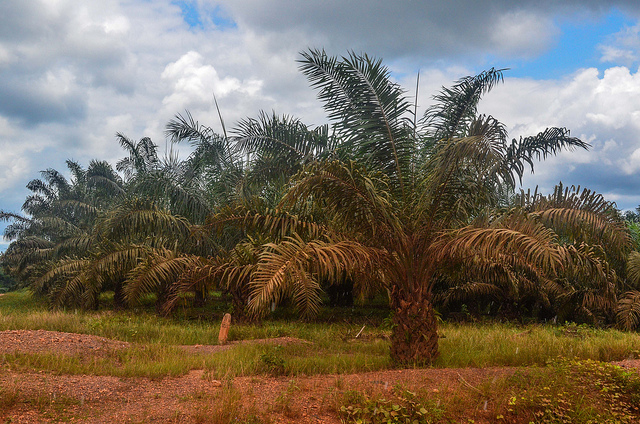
point(333, 347)
point(559, 365)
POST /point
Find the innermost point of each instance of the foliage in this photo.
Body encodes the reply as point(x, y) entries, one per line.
point(580, 391)
point(381, 199)
point(273, 362)
point(405, 407)
point(7, 283)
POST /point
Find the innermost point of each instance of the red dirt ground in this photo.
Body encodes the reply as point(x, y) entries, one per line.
point(40, 397)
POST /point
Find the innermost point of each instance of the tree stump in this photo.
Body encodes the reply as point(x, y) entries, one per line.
point(224, 329)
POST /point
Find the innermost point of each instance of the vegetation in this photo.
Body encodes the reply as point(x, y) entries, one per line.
point(422, 208)
point(548, 386)
point(6, 282)
point(318, 347)
point(561, 393)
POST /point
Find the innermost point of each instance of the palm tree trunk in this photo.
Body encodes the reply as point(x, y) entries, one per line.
point(414, 339)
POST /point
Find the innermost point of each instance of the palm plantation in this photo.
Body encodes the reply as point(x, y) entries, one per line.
point(421, 206)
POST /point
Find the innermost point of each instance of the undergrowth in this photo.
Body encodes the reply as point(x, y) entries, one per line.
point(351, 346)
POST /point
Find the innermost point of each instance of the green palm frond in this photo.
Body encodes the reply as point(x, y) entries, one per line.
point(370, 112)
point(78, 246)
point(210, 148)
point(60, 272)
point(143, 156)
point(456, 107)
point(156, 272)
point(546, 143)
point(136, 219)
point(282, 136)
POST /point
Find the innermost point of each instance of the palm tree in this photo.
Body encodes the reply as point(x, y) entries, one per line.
point(391, 209)
point(585, 232)
point(59, 217)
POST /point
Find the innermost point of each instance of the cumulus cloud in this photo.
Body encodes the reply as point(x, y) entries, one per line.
point(622, 47)
point(193, 82)
point(73, 74)
point(600, 108)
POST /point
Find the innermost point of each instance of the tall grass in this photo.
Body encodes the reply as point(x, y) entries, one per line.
point(508, 345)
point(328, 348)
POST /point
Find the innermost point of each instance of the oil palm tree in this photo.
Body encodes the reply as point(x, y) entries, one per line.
point(391, 209)
point(585, 232)
point(59, 217)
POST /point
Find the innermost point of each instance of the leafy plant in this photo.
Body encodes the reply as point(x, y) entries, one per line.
point(578, 391)
point(404, 408)
point(272, 362)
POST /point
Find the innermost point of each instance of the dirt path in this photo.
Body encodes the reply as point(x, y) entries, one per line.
point(40, 397)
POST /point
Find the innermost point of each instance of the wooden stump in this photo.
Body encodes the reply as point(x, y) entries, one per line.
point(224, 329)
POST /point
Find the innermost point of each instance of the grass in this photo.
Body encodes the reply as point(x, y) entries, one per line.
point(58, 407)
point(566, 391)
point(508, 345)
point(331, 347)
point(582, 389)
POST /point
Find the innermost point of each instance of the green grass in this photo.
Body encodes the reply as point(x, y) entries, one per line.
point(482, 345)
point(330, 348)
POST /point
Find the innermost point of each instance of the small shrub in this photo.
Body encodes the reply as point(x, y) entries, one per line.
point(272, 362)
point(405, 407)
point(578, 391)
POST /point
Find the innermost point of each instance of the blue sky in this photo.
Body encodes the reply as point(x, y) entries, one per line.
point(576, 46)
point(73, 74)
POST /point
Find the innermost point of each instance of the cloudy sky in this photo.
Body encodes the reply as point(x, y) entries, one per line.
point(72, 73)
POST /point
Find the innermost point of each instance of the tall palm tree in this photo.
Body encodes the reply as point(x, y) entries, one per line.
point(407, 188)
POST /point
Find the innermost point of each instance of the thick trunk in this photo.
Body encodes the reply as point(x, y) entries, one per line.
point(415, 337)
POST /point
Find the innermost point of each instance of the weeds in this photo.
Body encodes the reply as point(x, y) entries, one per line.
point(576, 391)
point(322, 349)
point(404, 407)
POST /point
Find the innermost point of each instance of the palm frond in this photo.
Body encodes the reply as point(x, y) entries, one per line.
point(157, 272)
point(370, 111)
point(633, 269)
point(297, 261)
point(357, 199)
point(520, 236)
point(546, 143)
point(628, 311)
point(455, 108)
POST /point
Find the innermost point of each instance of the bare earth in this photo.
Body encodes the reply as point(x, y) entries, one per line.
point(193, 397)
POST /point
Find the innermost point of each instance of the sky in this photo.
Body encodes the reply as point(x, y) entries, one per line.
point(73, 74)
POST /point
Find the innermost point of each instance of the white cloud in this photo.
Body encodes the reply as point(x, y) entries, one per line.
point(600, 108)
point(622, 47)
point(193, 81)
point(77, 73)
point(631, 165)
point(523, 33)
point(13, 168)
